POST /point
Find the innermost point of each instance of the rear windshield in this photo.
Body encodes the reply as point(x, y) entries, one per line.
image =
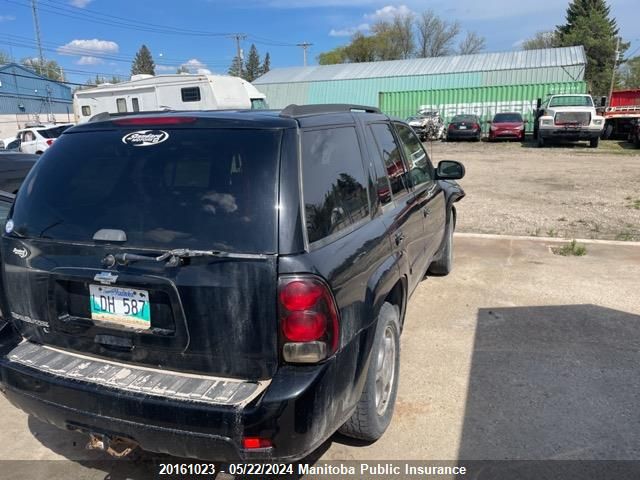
point(54, 132)
point(464, 118)
point(197, 188)
point(507, 118)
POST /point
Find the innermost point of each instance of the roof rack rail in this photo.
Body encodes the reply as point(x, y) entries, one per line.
point(103, 116)
point(294, 110)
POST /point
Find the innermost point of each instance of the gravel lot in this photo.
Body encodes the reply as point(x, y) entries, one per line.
point(569, 191)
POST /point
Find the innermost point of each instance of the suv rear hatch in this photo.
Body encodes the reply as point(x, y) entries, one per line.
point(81, 256)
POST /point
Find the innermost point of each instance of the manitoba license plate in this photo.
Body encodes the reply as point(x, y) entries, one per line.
point(125, 306)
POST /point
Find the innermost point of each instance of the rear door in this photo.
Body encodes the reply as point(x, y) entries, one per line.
point(143, 192)
point(428, 195)
point(28, 142)
point(408, 224)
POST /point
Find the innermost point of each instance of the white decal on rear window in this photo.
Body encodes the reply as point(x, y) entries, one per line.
point(145, 138)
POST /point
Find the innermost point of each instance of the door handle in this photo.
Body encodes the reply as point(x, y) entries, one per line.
point(399, 238)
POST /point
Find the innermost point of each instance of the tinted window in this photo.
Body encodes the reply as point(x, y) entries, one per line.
point(135, 105)
point(14, 144)
point(86, 110)
point(507, 118)
point(334, 180)
point(419, 165)
point(464, 118)
point(53, 132)
point(201, 188)
point(190, 94)
point(388, 148)
point(121, 103)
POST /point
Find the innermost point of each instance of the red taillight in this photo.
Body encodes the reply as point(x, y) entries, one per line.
point(476, 126)
point(308, 319)
point(300, 295)
point(452, 126)
point(250, 443)
point(154, 120)
point(304, 326)
point(50, 142)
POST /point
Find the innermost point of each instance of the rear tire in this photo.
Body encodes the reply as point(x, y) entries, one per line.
point(593, 143)
point(375, 407)
point(607, 132)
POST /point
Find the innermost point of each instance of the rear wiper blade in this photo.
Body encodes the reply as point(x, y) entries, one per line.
point(173, 257)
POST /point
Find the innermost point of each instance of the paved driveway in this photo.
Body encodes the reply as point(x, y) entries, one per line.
point(518, 354)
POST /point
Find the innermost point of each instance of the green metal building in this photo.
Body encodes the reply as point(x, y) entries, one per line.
point(481, 84)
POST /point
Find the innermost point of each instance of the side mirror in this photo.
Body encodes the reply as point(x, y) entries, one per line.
point(450, 170)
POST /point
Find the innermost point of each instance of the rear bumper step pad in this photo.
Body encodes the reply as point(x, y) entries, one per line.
point(160, 383)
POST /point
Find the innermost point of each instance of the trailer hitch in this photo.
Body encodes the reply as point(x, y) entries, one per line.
point(117, 447)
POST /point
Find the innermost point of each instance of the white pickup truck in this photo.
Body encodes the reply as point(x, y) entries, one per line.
point(567, 117)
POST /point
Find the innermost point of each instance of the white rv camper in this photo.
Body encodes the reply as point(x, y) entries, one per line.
point(144, 93)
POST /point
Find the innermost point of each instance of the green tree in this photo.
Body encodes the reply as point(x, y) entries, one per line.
point(143, 62)
point(50, 68)
point(548, 39)
point(337, 55)
point(237, 68)
point(629, 73)
point(4, 58)
point(588, 23)
point(252, 68)
point(266, 64)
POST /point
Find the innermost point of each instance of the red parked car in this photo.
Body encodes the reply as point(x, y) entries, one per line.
point(507, 126)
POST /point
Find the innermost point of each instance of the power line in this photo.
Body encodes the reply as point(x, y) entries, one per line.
point(51, 80)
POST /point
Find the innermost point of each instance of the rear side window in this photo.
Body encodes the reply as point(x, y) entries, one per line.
point(335, 195)
point(190, 94)
point(135, 105)
point(390, 152)
point(121, 103)
point(54, 132)
point(86, 111)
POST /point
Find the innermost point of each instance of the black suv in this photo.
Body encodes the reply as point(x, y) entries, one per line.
point(221, 285)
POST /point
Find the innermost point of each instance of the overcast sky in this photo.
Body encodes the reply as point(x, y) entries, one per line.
point(96, 36)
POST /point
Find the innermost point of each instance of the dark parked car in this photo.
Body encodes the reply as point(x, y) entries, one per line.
point(634, 135)
point(507, 126)
point(14, 167)
point(222, 285)
point(464, 127)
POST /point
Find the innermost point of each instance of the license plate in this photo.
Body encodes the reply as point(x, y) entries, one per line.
point(124, 306)
point(462, 127)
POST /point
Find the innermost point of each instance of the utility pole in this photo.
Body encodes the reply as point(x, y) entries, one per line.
point(238, 37)
point(36, 25)
point(305, 46)
point(613, 73)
